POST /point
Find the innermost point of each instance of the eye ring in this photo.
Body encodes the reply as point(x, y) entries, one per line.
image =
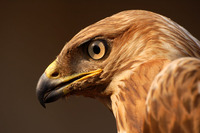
point(97, 49)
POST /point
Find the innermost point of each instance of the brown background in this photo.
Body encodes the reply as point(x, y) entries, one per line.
point(33, 33)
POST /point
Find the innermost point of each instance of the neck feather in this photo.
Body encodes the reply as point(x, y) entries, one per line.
point(130, 90)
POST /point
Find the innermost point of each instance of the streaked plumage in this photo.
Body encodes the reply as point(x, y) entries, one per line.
point(138, 45)
point(173, 103)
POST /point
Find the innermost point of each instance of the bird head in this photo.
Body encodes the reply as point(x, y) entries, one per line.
point(98, 54)
point(75, 71)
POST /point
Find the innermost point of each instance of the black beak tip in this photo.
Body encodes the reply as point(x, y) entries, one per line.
point(41, 89)
point(40, 97)
point(45, 90)
point(42, 103)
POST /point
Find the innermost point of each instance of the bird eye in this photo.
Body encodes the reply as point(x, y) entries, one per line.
point(97, 49)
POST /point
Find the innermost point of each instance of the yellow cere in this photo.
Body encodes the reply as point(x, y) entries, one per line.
point(51, 69)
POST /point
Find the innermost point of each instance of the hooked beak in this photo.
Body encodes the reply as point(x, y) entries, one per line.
point(46, 90)
point(52, 87)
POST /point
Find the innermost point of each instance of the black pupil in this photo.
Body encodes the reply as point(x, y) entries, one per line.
point(96, 49)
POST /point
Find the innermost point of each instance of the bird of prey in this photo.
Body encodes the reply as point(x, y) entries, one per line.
point(143, 66)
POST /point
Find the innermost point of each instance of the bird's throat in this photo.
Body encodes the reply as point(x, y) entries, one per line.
point(128, 109)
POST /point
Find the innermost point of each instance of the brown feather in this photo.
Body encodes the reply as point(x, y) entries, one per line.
point(174, 99)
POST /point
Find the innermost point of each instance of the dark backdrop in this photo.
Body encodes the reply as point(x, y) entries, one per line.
point(33, 33)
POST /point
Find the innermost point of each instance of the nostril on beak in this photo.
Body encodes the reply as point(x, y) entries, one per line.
point(52, 71)
point(54, 74)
